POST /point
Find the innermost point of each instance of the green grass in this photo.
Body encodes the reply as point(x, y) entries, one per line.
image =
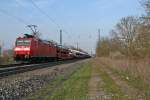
point(75, 86)
point(111, 86)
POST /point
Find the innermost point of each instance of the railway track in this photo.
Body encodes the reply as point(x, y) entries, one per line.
point(13, 65)
point(15, 69)
point(18, 64)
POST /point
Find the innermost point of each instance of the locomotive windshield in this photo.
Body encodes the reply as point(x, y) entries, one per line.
point(23, 42)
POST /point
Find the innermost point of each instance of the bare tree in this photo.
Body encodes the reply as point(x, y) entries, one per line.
point(126, 33)
point(143, 41)
point(146, 4)
point(143, 38)
point(131, 36)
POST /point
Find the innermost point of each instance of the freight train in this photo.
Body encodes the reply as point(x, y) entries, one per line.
point(32, 49)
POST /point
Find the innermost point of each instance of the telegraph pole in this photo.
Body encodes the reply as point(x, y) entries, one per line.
point(99, 36)
point(91, 53)
point(0, 50)
point(77, 46)
point(61, 37)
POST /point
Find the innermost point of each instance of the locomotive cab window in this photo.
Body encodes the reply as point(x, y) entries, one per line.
point(23, 42)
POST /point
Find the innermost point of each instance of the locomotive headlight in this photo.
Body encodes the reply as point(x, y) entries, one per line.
point(22, 49)
point(26, 49)
point(17, 49)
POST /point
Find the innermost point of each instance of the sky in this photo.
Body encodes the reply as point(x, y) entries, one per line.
point(79, 19)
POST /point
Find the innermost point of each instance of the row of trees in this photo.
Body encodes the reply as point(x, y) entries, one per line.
point(129, 38)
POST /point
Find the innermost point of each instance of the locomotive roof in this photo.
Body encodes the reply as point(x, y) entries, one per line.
point(44, 41)
point(28, 36)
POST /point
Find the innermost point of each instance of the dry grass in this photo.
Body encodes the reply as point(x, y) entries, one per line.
point(136, 71)
point(138, 68)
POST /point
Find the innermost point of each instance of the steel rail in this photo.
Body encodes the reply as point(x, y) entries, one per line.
point(6, 71)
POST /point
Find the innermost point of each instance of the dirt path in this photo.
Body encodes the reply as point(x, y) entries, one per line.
point(128, 91)
point(104, 83)
point(96, 92)
point(131, 92)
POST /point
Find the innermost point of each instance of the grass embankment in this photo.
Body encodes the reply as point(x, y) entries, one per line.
point(136, 82)
point(131, 73)
point(75, 87)
point(109, 84)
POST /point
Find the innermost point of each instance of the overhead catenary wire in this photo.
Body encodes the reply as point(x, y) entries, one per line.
point(43, 12)
point(59, 26)
point(40, 10)
point(25, 22)
point(17, 2)
point(13, 16)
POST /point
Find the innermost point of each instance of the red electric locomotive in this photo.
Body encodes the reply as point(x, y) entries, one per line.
point(31, 48)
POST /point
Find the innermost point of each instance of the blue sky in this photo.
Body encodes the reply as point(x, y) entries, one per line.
point(80, 18)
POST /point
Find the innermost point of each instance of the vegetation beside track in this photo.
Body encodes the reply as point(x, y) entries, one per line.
point(133, 81)
point(109, 84)
point(74, 86)
point(133, 74)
